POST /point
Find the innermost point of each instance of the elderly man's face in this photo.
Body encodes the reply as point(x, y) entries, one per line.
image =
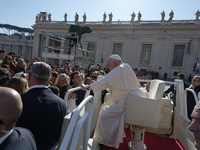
point(111, 64)
point(195, 125)
point(195, 81)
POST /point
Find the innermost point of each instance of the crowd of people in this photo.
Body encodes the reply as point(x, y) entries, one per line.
point(146, 74)
point(43, 87)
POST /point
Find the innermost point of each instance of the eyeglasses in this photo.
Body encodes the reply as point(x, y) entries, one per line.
point(9, 58)
point(94, 77)
point(195, 80)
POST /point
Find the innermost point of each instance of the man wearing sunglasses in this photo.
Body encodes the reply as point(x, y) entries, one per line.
point(95, 74)
point(11, 137)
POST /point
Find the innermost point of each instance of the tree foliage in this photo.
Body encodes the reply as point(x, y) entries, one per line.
point(19, 29)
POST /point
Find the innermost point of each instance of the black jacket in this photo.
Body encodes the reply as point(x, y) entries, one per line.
point(43, 114)
point(191, 101)
point(19, 139)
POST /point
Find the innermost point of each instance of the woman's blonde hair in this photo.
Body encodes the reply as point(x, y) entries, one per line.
point(66, 78)
point(19, 84)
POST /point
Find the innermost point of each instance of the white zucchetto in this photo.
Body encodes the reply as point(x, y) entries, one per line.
point(115, 56)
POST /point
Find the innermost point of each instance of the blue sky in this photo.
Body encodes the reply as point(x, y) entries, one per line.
point(22, 12)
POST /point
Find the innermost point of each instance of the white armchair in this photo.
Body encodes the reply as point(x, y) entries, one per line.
point(147, 113)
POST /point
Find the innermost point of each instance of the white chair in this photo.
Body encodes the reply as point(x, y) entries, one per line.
point(147, 113)
point(157, 88)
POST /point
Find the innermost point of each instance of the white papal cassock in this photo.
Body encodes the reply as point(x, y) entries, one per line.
point(120, 82)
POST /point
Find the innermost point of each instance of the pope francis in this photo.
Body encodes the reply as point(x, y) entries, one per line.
point(121, 81)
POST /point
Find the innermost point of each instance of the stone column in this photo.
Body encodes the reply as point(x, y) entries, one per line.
point(126, 50)
point(166, 53)
point(30, 53)
point(8, 47)
point(17, 50)
point(24, 51)
point(27, 52)
point(159, 55)
point(36, 45)
point(106, 47)
point(62, 52)
point(46, 48)
point(99, 52)
point(134, 53)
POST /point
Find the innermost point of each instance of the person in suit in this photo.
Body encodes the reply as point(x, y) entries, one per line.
point(190, 97)
point(11, 137)
point(171, 88)
point(43, 111)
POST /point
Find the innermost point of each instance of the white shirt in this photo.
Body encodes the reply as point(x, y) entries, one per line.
point(37, 86)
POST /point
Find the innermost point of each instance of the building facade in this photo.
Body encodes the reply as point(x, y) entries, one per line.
point(165, 45)
point(21, 45)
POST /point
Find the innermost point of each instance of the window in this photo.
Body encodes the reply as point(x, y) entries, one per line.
point(145, 58)
point(178, 55)
point(117, 48)
point(91, 47)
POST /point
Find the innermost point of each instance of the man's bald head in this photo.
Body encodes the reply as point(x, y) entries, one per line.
point(10, 107)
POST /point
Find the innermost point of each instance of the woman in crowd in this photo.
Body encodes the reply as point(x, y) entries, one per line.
point(62, 80)
point(19, 84)
point(67, 69)
point(102, 72)
point(8, 60)
point(87, 81)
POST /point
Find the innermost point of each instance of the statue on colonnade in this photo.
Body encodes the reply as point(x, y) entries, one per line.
point(163, 16)
point(110, 17)
point(65, 17)
point(49, 17)
point(104, 17)
point(171, 15)
point(133, 16)
point(84, 18)
point(37, 18)
point(139, 16)
point(76, 17)
point(197, 15)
